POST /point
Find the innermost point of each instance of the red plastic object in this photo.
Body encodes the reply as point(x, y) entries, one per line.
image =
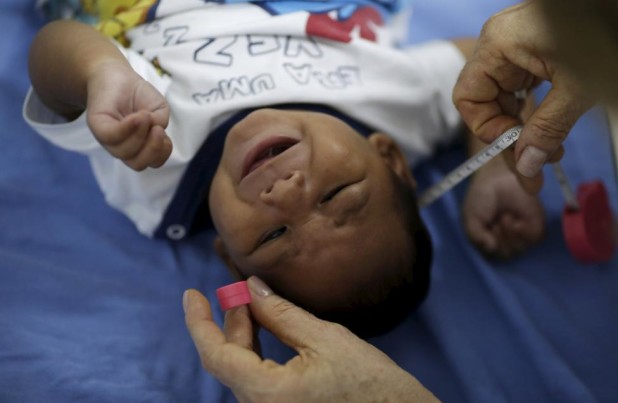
point(233, 295)
point(589, 231)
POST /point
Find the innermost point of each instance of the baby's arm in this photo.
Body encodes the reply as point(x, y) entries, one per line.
point(74, 68)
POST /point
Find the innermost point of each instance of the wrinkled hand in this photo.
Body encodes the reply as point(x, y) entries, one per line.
point(128, 116)
point(500, 217)
point(332, 365)
point(515, 53)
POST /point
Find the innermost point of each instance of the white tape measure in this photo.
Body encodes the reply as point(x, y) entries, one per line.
point(466, 169)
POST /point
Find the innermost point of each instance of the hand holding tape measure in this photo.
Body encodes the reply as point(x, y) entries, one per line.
point(587, 220)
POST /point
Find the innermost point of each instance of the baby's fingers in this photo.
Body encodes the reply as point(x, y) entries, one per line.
point(126, 138)
point(112, 131)
point(529, 230)
point(513, 243)
point(480, 234)
point(518, 234)
point(129, 140)
point(154, 152)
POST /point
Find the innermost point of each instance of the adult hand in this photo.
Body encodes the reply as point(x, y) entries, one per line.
point(515, 53)
point(332, 365)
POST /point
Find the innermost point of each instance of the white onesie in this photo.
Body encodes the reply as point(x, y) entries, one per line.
point(221, 59)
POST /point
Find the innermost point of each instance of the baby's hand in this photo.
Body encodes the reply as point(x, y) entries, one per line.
point(500, 217)
point(128, 116)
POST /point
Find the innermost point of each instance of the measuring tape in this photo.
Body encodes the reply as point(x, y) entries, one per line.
point(472, 165)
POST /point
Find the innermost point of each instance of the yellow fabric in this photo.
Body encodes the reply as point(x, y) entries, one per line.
point(116, 17)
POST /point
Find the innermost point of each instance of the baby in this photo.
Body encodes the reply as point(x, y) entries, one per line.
point(280, 123)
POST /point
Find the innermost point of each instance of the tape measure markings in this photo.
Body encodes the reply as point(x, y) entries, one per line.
point(470, 166)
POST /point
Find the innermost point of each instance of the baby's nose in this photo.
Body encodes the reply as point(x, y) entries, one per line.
point(286, 193)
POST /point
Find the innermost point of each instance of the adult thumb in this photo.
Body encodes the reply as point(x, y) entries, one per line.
point(289, 323)
point(547, 128)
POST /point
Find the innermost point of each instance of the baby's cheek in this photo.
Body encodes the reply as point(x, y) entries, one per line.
point(222, 200)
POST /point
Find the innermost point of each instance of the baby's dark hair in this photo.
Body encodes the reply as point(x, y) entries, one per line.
point(378, 310)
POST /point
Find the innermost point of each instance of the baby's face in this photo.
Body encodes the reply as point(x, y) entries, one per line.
point(306, 203)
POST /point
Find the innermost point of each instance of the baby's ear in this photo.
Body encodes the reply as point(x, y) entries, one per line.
point(227, 259)
point(393, 157)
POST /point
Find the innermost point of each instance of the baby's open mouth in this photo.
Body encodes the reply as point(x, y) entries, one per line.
point(265, 151)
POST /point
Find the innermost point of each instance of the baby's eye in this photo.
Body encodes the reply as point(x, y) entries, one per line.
point(273, 235)
point(330, 195)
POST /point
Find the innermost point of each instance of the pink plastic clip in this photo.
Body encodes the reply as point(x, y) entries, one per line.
point(589, 231)
point(233, 295)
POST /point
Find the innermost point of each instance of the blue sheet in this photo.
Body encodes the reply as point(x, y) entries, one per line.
point(90, 310)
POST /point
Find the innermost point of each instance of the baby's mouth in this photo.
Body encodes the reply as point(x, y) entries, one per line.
point(265, 151)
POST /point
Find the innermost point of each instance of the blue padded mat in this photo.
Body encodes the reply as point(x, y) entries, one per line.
point(91, 311)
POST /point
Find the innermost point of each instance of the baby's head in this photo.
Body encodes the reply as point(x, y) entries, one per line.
point(325, 216)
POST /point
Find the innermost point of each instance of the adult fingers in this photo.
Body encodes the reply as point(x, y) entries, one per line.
point(480, 100)
point(227, 361)
point(199, 320)
point(557, 155)
point(547, 128)
point(531, 185)
point(238, 327)
point(292, 325)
